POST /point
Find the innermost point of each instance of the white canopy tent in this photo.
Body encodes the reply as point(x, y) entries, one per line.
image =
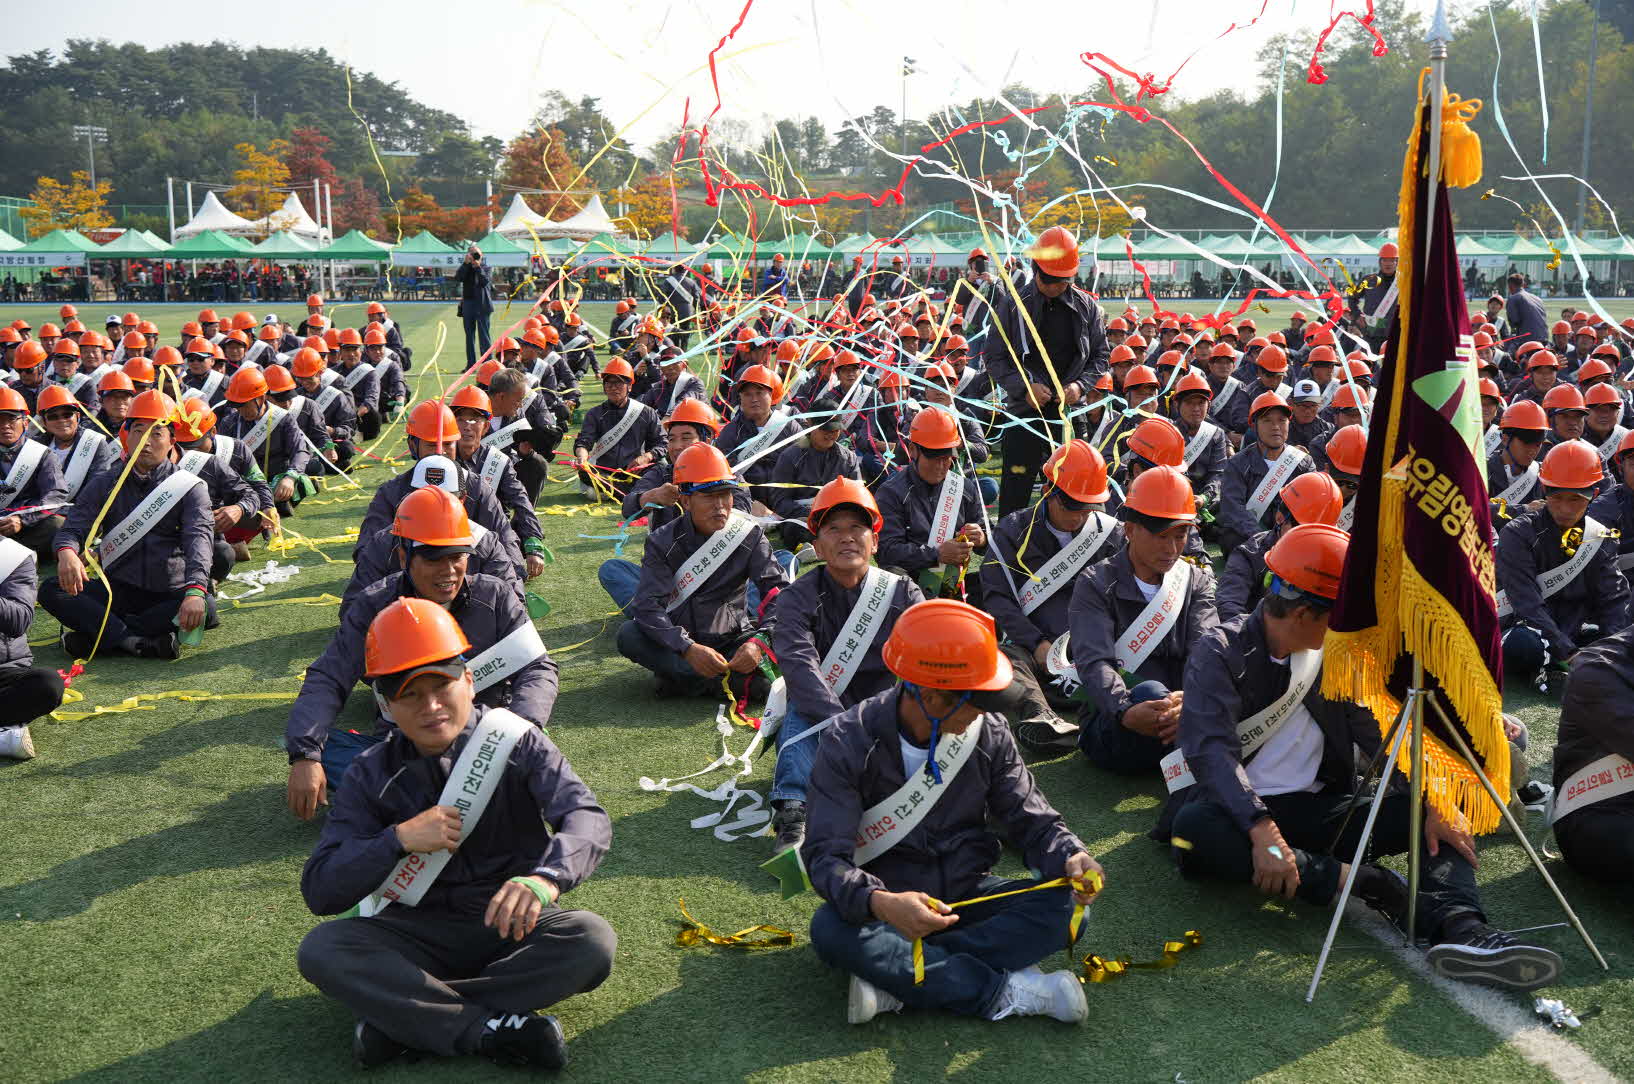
point(522, 222)
point(213, 215)
point(292, 218)
point(592, 221)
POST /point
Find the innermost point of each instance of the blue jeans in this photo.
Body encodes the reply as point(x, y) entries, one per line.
point(1110, 745)
point(966, 965)
point(619, 578)
point(794, 762)
point(989, 488)
point(340, 750)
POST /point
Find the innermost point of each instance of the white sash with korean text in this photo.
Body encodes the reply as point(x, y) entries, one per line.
point(12, 554)
point(505, 436)
point(862, 627)
point(1304, 668)
point(769, 432)
point(263, 425)
point(470, 787)
point(1199, 441)
point(492, 468)
point(224, 450)
point(1228, 391)
point(1064, 567)
point(703, 563)
point(355, 375)
point(1521, 486)
point(504, 659)
point(145, 516)
point(1491, 439)
point(1609, 777)
point(80, 460)
point(609, 440)
point(1608, 447)
point(1275, 478)
point(944, 523)
point(22, 471)
point(212, 384)
point(1347, 515)
point(851, 404)
point(889, 821)
point(326, 397)
point(1551, 581)
point(1151, 625)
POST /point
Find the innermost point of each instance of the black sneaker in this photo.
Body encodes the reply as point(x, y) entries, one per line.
point(164, 646)
point(1535, 796)
point(1385, 891)
point(372, 1047)
point(524, 1040)
point(1481, 954)
point(789, 825)
point(1046, 732)
point(76, 645)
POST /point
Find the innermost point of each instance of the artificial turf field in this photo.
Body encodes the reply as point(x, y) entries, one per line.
point(150, 909)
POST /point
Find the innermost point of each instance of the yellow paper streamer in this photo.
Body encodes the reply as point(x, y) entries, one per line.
point(140, 702)
point(1091, 880)
point(697, 933)
point(1101, 969)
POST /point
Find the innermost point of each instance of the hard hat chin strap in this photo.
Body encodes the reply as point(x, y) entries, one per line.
point(936, 727)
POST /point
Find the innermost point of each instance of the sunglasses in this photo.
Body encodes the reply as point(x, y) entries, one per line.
point(60, 415)
point(934, 453)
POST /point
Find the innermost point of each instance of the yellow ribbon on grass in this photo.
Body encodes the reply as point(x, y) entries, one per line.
point(697, 933)
point(140, 702)
point(1101, 969)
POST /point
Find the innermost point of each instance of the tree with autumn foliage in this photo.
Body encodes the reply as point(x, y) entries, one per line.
point(649, 207)
point(307, 162)
point(357, 208)
point(540, 159)
point(72, 206)
point(256, 191)
point(418, 211)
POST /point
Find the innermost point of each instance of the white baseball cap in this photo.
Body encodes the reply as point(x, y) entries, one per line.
point(439, 471)
point(1306, 391)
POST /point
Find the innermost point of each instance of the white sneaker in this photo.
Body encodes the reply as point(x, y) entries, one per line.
point(868, 1001)
point(1033, 993)
point(16, 743)
point(806, 555)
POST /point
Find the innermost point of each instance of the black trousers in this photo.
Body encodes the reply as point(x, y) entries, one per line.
point(431, 980)
point(530, 471)
point(135, 611)
point(27, 693)
point(476, 329)
point(1221, 850)
point(1598, 841)
point(369, 425)
point(1024, 454)
point(37, 536)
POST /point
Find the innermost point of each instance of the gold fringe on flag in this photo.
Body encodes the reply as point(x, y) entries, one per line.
point(1412, 615)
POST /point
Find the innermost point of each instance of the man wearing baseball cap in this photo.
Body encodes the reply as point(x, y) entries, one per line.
point(459, 833)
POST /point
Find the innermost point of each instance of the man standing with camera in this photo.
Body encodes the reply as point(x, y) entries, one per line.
point(475, 304)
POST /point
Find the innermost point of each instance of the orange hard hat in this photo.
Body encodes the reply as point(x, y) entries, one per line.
point(1158, 442)
point(191, 329)
point(1542, 359)
point(49, 331)
point(506, 345)
point(486, 371)
point(1257, 341)
point(947, 644)
point(12, 401)
point(246, 384)
point(134, 340)
point(956, 343)
point(1169, 324)
point(431, 420)
point(1321, 355)
point(194, 418)
point(844, 359)
point(1572, 465)
point(1077, 469)
point(893, 378)
point(1560, 327)
point(934, 428)
point(617, 369)
point(1347, 449)
point(318, 343)
point(695, 412)
point(243, 321)
point(1358, 367)
point(744, 334)
point(1139, 376)
point(200, 348)
point(73, 327)
point(141, 371)
point(551, 334)
point(942, 371)
point(471, 397)
point(1121, 355)
point(759, 374)
point(1278, 338)
point(1247, 325)
point(650, 326)
point(533, 337)
point(1489, 389)
point(1563, 397)
point(1313, 498)
point(1309, 559)
point(278, 380)
point(1272, 360)
point(331, 337)
point(152, 406)
point(116, 381)
point(1388, 251)
point(1321, 336)
point(1171, 359)
point(1162, 493)
point(1268, 400)
point(788, 350)
point(350, 337)
point(1116, 324)
point(1056, 252)
point(1137, 341)
point(432, 516)
point(28, 355)
point(1482, 340)
point(1604, 350)
point(148, 327)
point(164, 356)
point(65, 348)
point(374, 337)
point(1192, 384)
point(53, 396)
point(843, 490)
point(410, 633)
point(1602, 395)
point(313, 300)
point(1626, 445)
point(556, 305)
point(622, 307)
point(376, 309)
point(306, 363)
point(1526, 349)
point(269, 333)
point(701, 466)
point(1524, 414)
point(68, 312)
point(1349, 397)
point(8, 334)
point(1221, 350)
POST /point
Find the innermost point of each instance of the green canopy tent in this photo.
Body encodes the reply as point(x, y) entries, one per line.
point(426, 249)
point(211, 245)
point(355, 247)
point(60, 243)
point(59, 248)
point(130, 245)
point(501, 251)
point(155, 239)
point(8, 243)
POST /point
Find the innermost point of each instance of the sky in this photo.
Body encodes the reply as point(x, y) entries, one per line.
point(492, 60)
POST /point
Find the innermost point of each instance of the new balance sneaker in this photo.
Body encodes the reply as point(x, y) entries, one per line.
point(524, 1040)
point(1031, 992)
point(789, 825)
point(867, 1001)
point(16, 743)
point(372, 1047)
point(1478, 953)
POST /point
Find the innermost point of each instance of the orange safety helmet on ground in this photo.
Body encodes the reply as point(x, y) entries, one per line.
point(410, 637)
point(1162, 493)
point(1563, 397)
point(1078, 470)
point(1307, 562)
point(617, 369)
point(695, 412)
point(1158, 443)
point(935, 429)
point(194, 418)
point(53, 396)
point(246, 384)
point(1524, 414)
point(432, 516)
point(1574, 464)
point(306, 363)
point(1056, 252)
point(841, 491)
point(702, 467)
point(1268, 400)
point(947, 644)
point(432, 421)
point(1347, 450)
point(759, 374)
point(471, 397)
point(278, 379)
point(1312, 498)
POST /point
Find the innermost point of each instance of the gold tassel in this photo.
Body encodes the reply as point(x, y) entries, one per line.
point(1460, 146)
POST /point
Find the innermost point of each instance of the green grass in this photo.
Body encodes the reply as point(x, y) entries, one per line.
point(150, 911)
